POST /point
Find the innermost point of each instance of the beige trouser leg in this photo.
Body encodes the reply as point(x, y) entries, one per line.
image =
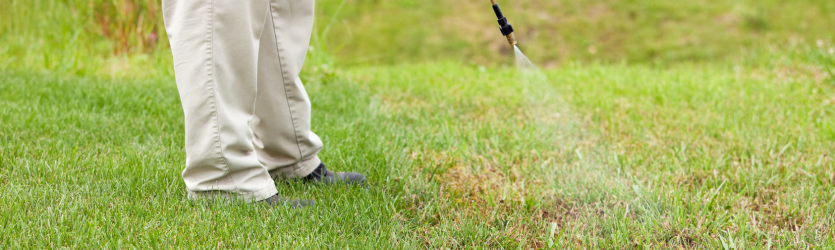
point(227, 53)
point(283, 140)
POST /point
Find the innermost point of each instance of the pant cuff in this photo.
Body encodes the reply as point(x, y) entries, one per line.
point(298, 170)
point(233, 195)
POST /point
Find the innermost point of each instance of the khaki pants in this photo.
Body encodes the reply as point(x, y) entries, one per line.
point(247, 115)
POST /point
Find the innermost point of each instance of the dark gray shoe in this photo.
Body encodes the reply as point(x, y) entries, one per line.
point(324, 176)
point(276, 200)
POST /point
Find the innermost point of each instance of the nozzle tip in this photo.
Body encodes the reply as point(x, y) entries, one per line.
point(511, 39)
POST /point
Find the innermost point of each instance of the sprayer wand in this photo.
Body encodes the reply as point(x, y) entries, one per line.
point(505, 27)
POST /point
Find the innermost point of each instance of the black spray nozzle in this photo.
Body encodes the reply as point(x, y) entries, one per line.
point(505, 27)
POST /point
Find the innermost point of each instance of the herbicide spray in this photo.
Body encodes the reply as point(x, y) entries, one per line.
point(545, 101)
point(555, 123)
point(546, 110)
point(507, 31)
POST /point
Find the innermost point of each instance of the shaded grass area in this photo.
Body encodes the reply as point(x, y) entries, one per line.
point(689, 156)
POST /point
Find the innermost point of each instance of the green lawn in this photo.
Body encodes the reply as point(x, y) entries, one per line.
point(658, 124)
point(698, 156)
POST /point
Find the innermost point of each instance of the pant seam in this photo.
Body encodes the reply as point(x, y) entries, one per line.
point(213, 94)
point(284, 74)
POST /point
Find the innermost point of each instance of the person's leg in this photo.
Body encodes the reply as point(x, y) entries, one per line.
point(283, 140)
point(215, 45)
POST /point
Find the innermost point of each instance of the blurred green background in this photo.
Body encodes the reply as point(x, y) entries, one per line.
point(109, 36)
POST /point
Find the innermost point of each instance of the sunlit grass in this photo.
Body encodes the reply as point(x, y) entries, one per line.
point(686, 156)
